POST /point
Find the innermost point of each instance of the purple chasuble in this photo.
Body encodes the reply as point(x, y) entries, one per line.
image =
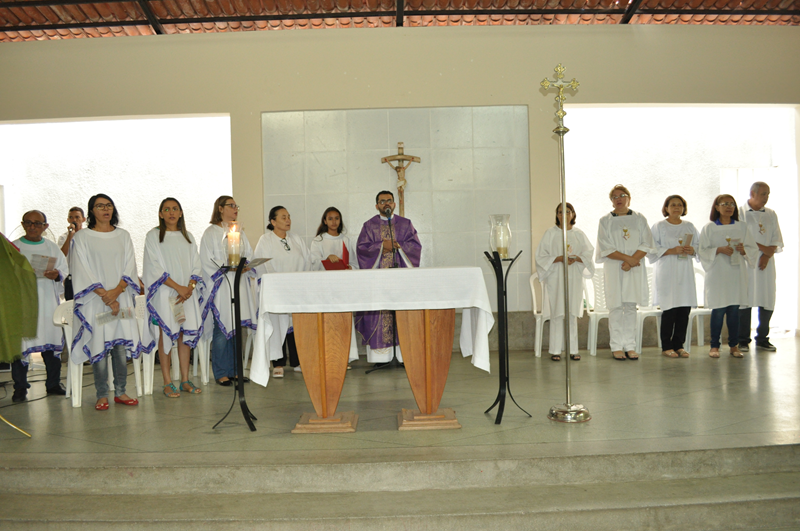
point(376, 327)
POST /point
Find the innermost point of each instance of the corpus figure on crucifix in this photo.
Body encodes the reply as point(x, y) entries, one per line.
point(403, 162)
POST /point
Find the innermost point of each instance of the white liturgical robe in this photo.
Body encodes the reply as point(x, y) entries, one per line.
point(325, 245)
point(625, 234)
point(764, 227)
point(177, 259)
point(48, 335)
point(674, 277)
point(551, 273)
point(218, 306)
point(726, 283)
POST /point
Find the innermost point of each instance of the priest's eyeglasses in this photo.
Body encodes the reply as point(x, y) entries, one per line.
point(386, 202)
point(37, 224)
point(285, 244)
point(233, 206)
point(166, 210)
point(104, 206)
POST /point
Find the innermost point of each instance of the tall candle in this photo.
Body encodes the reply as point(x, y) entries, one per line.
point(234, 245)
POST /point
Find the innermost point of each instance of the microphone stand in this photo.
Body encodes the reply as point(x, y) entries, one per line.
point(393, 364)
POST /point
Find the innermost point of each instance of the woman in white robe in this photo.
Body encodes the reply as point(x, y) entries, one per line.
point(49, 340)
point(675, 289)
point(287, 253)
point(171, 274)
point(331, 241)
point(218, 312)
point(105, 280)
point(623, 240)
point(330, 244)
point(727, 249)
point(550, 267)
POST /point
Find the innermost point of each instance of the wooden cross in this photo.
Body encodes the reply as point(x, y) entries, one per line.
point(400, 158)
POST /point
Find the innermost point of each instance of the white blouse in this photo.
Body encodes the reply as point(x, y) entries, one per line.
point(726, 281)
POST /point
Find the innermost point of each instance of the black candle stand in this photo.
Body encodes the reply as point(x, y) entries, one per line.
point(502, 332)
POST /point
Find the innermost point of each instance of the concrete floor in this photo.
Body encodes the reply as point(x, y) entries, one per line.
point(653, 404)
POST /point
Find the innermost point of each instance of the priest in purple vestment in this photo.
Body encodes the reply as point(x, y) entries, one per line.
point(374, 250)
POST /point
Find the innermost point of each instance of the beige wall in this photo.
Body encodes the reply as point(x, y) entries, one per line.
point(247, 73)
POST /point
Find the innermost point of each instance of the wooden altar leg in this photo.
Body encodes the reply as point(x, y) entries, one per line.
point(426, 340)
point(323, 345)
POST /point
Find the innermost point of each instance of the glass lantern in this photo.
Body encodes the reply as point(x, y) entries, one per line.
point(500, 234)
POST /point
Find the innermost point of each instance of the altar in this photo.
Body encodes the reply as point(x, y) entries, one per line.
point(343, 292)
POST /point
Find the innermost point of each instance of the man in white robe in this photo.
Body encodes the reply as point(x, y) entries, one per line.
point(763, 224)
point(49, 340)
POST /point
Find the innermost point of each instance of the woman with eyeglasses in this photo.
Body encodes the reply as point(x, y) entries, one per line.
point(550, 267)
point(727, 249)
point(106, 281)
point(287, 253)
point(623, 240)
point(218, 312)
point(173, 278)
point(675, 291)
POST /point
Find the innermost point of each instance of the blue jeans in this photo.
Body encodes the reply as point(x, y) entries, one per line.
point(119, 364)
point(731, 315)
point(222, 354)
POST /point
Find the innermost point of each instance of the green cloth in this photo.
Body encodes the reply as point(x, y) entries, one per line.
point(19, 301)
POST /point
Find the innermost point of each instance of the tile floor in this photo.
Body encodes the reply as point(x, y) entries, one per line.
point(651, 405)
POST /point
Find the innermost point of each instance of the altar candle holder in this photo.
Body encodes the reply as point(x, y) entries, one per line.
point(234, 245)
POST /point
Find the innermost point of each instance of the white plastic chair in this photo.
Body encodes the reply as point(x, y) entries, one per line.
point(202, 356)
point(698, 313)
point(648, 311)
point(148, 369)
point(596, 309)
point(538, 315)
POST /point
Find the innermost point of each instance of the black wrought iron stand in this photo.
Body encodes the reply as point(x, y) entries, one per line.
point(239, 358)
point(502, 332)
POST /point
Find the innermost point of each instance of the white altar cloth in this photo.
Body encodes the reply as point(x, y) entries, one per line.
point(432, 288)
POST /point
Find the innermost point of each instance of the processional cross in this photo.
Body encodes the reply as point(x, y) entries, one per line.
point(403, 162)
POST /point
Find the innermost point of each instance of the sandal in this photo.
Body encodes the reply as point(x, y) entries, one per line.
point(170, 391)
point(736, 353)
point(682, 353)
point(192, 389)
point(575, 357)
point(555, 357)
point(632, 355)
point(277, 372)
point(670, 354)
point(713, 353)
point(618, 355)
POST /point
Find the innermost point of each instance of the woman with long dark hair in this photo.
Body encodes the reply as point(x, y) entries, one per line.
point(174, 282)
point(331, 242)
point(106, 281)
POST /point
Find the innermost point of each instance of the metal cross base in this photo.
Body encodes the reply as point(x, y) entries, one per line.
point(569, 413)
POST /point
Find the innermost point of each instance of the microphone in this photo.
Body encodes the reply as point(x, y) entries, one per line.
point(387, 211)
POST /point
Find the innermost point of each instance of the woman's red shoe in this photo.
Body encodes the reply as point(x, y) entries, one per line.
point(128, 402)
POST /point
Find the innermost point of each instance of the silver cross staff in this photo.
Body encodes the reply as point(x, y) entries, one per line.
point(566, 412)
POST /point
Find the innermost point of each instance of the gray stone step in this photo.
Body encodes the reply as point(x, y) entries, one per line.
point(740, 502)
point(393, 470)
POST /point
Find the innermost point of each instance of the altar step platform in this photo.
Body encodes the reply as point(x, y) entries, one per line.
point(745, 488)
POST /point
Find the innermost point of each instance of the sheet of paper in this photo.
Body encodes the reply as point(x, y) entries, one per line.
point(106, 317)
point(41, 263)
point(177, 310)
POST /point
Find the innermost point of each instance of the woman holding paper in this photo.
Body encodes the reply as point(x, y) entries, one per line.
point(726, 249)
point(218, 313)
point(550, 267)
point(675, 289)
point(172, 273)
point(331, 245)
point(287, 253)
point(105, 280)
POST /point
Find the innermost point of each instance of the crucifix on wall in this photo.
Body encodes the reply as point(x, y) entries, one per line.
point(403, 162)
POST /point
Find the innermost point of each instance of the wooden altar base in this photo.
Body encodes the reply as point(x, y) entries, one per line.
point(339, 423)
point(443, 419)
